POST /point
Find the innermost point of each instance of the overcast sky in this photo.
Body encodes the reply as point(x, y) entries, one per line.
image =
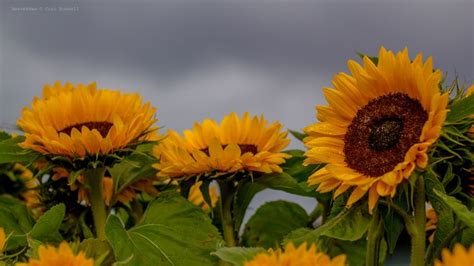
point(198, 59)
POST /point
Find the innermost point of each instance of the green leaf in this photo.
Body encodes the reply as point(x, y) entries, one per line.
point(461, 109)
point(99, 250)
point(172, 232)
point(244, 195)
point(298, 135)
point(393, 223)
point(133, 168)
point(16, 220)
point(273, 221)
point(287, 183)
point(349, 225)
point(10, 152)
point(47, 227)
point(461, 211)
point(237, 255)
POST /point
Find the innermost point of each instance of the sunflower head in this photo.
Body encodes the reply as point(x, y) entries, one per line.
point(63, 255)
point(236, 144)
point(378, 125)
point(292, 256)
point(459, 257)
point(196, 197)
point(79, 121)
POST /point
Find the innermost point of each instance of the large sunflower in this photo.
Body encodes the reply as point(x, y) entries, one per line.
point(61, 256)
point(378, 126)
point(459, 257)
point(236, 144)
point(76, 121)
point(301, 256)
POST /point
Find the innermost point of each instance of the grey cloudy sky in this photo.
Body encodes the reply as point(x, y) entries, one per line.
point(198, 59)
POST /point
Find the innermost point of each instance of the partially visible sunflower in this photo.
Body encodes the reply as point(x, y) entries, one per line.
point(301, 256)
point(459, 257)
point(196, 197)
point(431, 222)
point(470, 185)
point(125, 196)
point(18, 181)
point(77, 121)
point(61, 256)
point(236, 144)
point(2, 240)
point(379, 124)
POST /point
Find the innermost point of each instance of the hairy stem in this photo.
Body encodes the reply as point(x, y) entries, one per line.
point(418, 231)
point(227, 198)
point(94, 181)
point(373, 240)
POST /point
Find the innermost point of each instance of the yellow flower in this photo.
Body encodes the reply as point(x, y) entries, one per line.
point(380, 122)
point(235, 144)
point(470, 91)
point(196, 197)
point(125, 196)
point(2, 240)
point(300, 256)
point(62, 256)
point(75, 121)
point(431, 222)
point(459, 257)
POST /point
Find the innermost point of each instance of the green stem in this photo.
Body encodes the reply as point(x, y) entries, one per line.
point(227, 198)
point(373, 240)
point(94, 181)
point(418, 231)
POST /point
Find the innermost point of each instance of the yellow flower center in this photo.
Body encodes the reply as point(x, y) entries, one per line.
point(102, 127)
point(382, 132)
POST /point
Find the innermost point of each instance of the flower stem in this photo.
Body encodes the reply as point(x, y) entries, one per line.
point(227, 198)
point(94, 181)
point(373, 240)
point(418, 231)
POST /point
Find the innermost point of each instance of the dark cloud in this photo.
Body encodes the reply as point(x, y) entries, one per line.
point(206, 58)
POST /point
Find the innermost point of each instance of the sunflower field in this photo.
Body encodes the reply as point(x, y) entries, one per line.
point(93, 180)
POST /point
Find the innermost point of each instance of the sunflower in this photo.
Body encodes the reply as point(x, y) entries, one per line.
point(76, 121)
point(459, 257)
point(51, 256)
point(378, 126)
point(18, 181)
point(292, 256)
point(196, 197)
point(470, 185)
point(236, 144)
point(125, 196)
point(431, 223)
point(2, 240)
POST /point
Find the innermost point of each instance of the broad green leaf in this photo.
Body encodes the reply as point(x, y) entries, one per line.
point(99, 250)
point(47, 227)
point(461, 211)
point(245, 193)
point(273, 221)
point(349, 225)
point(10, 152)
point(461, 109)
point(172, 232)
point(16, 220)
point(133, 168)
point(393, 223)
point(237, 255)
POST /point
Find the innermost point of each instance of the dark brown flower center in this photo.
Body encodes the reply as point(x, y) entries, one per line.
point(102, 127)
point(244, 148)
point(382, 132)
